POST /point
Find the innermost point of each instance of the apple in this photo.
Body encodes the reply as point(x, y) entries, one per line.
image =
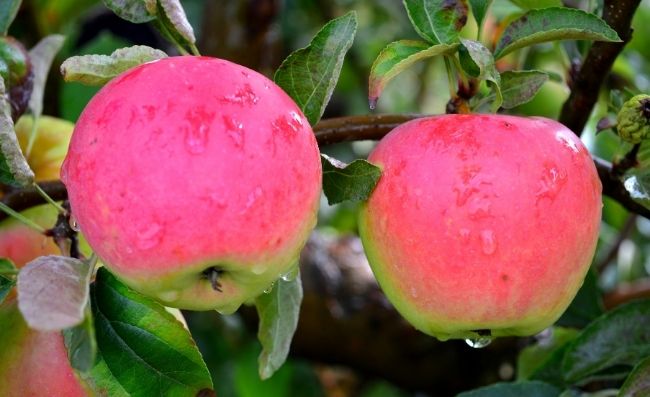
point(481, 225)
point(50, 146)
point(20, 243)
point(33, 363)
point(195, 180)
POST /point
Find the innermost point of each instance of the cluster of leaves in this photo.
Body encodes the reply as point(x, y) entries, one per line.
point(439, 24)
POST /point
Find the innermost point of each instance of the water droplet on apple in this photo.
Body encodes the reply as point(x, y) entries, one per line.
point(149, 236)
point(478, 343)
point(567, 140)
point(234, 129)
point(372, 103)
point(488, 242)
point(270, 288)
point(196, 139)
point(551, 182)
point(291, 274)
point(243, 96)
point(258, 269)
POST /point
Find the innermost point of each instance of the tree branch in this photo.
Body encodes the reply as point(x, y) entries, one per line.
point(597, 64)
point(337, 130)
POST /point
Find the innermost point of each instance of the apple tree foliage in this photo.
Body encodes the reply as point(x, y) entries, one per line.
point(492, 56)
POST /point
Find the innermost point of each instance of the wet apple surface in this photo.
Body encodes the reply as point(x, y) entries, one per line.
point(482, 225)
point(189, 167)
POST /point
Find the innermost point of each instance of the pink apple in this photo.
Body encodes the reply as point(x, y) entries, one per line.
point(33, 363)
point(482, 224)
point(190, 167)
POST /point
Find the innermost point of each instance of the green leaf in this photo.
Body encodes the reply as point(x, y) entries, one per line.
point(550, 370)
point(478, 62)
point(437, 21)
point(53, 292)
point(8, 12)
point(549, 24)
point(99, 69)
point(518, 389)
point(534, 357)
point(519, 87)
point(175, 20)
point(142, 350)
point(586, 306)
point(532, 4)
point(309, 75)
point(619, 337)
point(397, 57)
point(479, 9)
point(41, 57)
point(14, 169)
point(7, 280)
point(348, 182)
point(637, 383)
point(131, 10)
point(81, 343)
point(278, 311)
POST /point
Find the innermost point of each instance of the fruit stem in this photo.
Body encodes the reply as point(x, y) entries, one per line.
point(450, 78)
point(213, 274)
point(7, 210)
point(48, 198)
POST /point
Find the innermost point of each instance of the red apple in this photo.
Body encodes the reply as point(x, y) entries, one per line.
point(32, 363)
point(191, 167)
point(481, 224)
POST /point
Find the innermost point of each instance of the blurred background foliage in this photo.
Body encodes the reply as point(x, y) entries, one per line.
point(259, 34)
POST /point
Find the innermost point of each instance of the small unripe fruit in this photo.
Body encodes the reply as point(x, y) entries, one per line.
point(481, 224)
point(633, 120)
point(191, 168)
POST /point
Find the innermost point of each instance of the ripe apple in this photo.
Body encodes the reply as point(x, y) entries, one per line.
point(33, 363)
point(50, 146)
point(20, 243)
point(481, 224)
point(195, 180)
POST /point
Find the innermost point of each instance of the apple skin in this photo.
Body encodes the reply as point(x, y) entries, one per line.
point(191, 163)
point(33, 363)
point(20, 243)
point(481, 223)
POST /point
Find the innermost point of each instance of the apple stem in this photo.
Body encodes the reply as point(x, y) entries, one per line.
point(213, 274)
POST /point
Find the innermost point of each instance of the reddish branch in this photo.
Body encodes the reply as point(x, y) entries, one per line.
point(586, 83)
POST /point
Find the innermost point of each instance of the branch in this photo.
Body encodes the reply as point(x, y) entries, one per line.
point(596, 65)
point(22, 199)
point(337, 130)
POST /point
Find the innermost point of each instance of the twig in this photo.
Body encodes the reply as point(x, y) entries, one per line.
point(597, 64)
point(622, 235)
